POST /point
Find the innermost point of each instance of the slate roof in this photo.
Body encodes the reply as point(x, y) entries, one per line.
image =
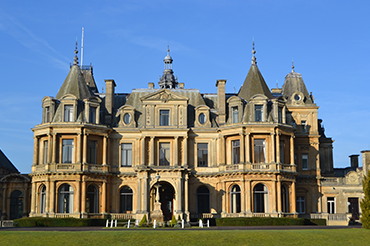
point(6, 163)
point(254, 84)
point(293, 83)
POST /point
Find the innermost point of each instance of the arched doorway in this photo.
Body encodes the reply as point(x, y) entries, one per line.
point(65, 199)
point(284, 199)
point(203, 200)
point(125, 200)
point(166, 198)
point(42, 199)
point(260, 199)
point(235, 199)
point(16, 205)
point(92, 201)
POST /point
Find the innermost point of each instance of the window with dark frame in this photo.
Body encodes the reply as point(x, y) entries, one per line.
point(202, 154)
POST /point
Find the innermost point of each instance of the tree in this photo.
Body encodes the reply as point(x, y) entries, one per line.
point(143, 221)
point(365, 203)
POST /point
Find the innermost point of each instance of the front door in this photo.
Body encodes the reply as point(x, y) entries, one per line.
point(166, 198)
point(353, 207)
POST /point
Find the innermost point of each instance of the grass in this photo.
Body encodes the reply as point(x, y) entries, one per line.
point(189, 237)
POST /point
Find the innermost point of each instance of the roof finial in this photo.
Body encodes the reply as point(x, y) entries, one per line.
point(254, 62)
point(292, 66)
point(75, 60)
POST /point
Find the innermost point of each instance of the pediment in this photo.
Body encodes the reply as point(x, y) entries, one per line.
point(164, 96)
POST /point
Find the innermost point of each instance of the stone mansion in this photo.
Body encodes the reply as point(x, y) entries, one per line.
point(258, 152)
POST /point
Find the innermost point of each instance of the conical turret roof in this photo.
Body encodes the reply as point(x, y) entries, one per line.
point(75, 83)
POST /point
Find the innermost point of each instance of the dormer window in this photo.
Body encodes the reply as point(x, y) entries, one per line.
point(164, 117)
point(280, 114)
point(235, 115)
point(68, 113)
point(92, 115)
point(303, 126)
point(47, 114)
point(258, 113)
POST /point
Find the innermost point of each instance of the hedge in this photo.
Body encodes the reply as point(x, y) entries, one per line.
point(57, 222)
point(266, 221)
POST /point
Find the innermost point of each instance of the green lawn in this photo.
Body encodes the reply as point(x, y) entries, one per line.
point(189, 237)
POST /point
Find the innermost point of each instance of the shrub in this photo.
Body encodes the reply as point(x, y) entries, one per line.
point(267, 221)
point(57, 222)
point(143, 221)
point(365, 202)
point(173, 221)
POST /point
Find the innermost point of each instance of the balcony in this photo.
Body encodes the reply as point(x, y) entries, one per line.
point(73, 167)
point(259, 167)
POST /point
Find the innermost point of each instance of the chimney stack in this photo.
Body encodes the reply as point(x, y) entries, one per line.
point(365, 161)
point(354, 160)
point(221, 101)
point(109, 100)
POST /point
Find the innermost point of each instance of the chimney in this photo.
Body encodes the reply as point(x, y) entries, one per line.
point(109, 100)
point(354, 160)
point(221, 101)
point(365, 161)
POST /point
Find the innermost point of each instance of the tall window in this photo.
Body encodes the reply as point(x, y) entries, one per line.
point(304, 162)
point(236, 151)
point(260, 199)
point(235, 199)
point(259, 151)
point(331, 205)
point(47, 114)
point(126, 155)
point(301, 205)
point(42, 199)
point(164, 154)
point(125, 200)
point(202, 155)
point(258, 113)
point(235, 116)
point(92, 115)
point(65, 199)
point(164, 117)
point(284, 199)
point(67, 150)
point(45, 151)
point(16, 204)
point(280, 114)
point(68, 113)
point(91, 152)
point(282, 152)
point(203, 204)
point(92, 200)
point(303, 126)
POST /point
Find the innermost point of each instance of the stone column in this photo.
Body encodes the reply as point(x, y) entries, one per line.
point(224, 198)
point(78, 196)
point(248, 197)
point(52, 196)
point(176, 151)
point(84, 149)
point(79, 140)
point(214, 152)
point(272, 147)
point(143, 151)
point(242, 160)
point(222, 149)
point(179, 195)
point(104, 197)
point(50, 152)
point(151, 159)
point(145, 193)
point(247, 148)
point(35, 150)
point(33, 198)
point(294, 209)
point(185, 151)
point(278, 148)
point(279, 196)
point(83, 198)
point(292, 150)
point(138, 205)
point(54, 148)
point(273, 197)
point(186, 191)
point(105, 145)
point(242, 198)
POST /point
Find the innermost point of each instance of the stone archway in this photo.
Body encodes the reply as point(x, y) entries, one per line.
point(166, 198)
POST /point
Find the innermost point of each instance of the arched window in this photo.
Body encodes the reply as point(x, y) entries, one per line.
point(203, 200)
point(65, 199)
point(260, 199)
point(125, 199)
point(284, 199)
point(16, 205)
point(235, 199)
point(92, 201)
point(42, 199)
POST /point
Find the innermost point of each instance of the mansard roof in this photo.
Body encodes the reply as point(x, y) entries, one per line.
point(75, 84)
point(6, 163)
point(294, 85)
point(254, 84)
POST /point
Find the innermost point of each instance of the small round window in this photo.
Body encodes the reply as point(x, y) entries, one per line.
point(297, 97)
point(202, 118)
point(127, 118)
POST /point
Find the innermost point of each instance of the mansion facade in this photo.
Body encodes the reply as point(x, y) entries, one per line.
point(258, 152)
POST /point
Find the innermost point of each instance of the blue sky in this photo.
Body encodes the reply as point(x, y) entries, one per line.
point(209, 40)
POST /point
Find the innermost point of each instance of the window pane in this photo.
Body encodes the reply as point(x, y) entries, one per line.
point(202, 155)
point(45, 152)
point(91, 152)
point(126, 155)
point(68, 113)
point(304, 162)
point(236, 151)
point(164, 117)
point(67, 150)
point(259, 151)
point(235, 115)
point(92, 115)
point(164, 154)
point(258, 112)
